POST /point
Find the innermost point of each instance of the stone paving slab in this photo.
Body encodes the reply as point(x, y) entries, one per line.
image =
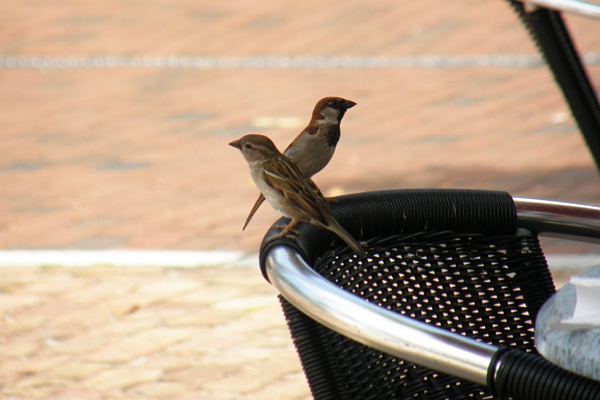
point(154, 333)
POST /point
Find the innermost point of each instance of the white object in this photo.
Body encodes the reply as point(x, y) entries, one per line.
point(587, 306)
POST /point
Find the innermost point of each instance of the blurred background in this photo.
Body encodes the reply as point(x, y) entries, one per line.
point(115, 130)
point(114, 122)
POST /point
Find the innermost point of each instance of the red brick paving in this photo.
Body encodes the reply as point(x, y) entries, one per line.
point(138, 158)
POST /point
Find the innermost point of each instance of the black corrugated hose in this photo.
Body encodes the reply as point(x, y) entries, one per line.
point(524, 376)
point(391, 212)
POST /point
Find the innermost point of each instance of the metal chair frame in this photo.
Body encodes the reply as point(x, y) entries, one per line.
point(402, 336)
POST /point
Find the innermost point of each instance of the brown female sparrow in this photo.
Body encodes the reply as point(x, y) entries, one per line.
point(314, 146)
point(287, 188)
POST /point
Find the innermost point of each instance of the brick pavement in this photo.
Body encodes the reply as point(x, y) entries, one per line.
point(128, 158)
point(137, 157)
point(144, 333)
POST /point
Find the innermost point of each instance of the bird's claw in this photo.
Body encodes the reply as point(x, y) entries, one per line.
point(294, 234)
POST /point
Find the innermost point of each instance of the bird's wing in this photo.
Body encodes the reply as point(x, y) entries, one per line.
point(284, 176)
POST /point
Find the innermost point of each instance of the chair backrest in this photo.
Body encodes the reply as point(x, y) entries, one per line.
point(445, 257)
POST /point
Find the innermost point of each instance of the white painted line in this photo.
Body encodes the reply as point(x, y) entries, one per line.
point(193, 259)
point(126, 258)
point(278, 62)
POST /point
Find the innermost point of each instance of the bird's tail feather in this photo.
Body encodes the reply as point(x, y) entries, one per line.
point(257, 204)
point(336, 228)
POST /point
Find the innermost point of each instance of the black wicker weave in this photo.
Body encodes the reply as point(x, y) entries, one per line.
point(448, 258)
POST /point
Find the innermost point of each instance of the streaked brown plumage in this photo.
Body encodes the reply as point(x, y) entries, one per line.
point(314, 146)
point(287, 188)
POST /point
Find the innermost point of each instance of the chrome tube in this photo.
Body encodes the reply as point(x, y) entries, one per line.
point(375, 326)
point(556, 218)
point(574, 6)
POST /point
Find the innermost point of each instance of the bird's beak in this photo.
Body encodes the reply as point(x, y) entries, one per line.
point(349, 104)
point(237, 144)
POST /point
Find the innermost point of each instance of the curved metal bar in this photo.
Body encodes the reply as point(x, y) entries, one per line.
point(375, 326)
point(402, 336)
point(556, 218)
point(574, 6)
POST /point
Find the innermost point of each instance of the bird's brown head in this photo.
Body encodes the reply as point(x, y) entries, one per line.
point(331, 109)
point(255, 147)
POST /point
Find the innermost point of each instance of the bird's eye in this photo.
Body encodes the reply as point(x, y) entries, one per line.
point(248, 146)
